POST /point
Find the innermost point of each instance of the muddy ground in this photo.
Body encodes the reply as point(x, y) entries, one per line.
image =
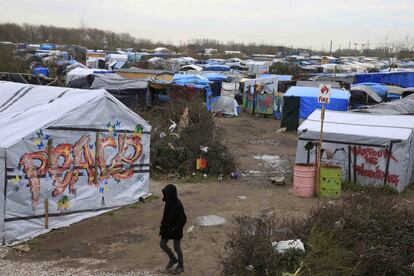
point(126, 241)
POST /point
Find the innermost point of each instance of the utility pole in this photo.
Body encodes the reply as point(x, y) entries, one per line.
point(330, 49)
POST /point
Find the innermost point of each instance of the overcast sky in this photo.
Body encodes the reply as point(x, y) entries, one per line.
point(303, 23)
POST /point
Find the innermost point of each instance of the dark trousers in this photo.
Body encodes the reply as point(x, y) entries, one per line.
point(177, 248)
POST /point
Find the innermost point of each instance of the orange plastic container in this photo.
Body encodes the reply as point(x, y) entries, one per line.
point(304, 180)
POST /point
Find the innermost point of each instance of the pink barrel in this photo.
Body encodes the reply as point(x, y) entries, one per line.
point(304, 180)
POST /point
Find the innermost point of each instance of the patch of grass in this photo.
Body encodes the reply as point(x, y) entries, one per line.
point(353, 187)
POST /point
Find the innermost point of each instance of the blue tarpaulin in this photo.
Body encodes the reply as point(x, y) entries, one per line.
point(217, 67)
point(378, 88)
point(403, 79)
point(309, 99)
point(41, 71)
point(195, 81)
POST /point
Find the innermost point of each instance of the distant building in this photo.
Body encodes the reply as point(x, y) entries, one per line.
point(232, 52)
point(210, 51)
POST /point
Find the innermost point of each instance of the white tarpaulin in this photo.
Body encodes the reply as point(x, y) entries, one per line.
point(372, 149)
point(81, 150)
point(229, 89)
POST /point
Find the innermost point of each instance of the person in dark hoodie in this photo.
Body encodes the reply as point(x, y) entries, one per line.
point(172, 224)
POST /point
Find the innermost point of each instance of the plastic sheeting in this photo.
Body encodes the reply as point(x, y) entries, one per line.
point(227, 106)
point(80, 72)
point(403, 79)
point(404, 106)
point(114, 82)
point(33, 117)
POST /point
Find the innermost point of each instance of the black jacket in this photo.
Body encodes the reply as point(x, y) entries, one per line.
point(174, 218)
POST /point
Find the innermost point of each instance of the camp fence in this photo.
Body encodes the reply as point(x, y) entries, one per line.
point(66, 155)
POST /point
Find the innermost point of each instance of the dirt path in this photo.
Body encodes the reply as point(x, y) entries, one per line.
point(126, 241)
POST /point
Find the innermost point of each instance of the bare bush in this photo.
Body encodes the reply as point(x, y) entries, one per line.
point(176, 152)
point(363, 234)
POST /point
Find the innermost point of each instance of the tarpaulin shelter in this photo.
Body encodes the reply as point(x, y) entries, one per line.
point(79, 152)
point(216, 67)
point(259, 94)
point(362, 95)
point(131, 92)
point(372, 149)
point(402, 79)
point(195, 81)
point(309, 99)
point(403, 106)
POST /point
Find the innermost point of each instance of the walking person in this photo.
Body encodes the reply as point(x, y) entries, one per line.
point(172, 224)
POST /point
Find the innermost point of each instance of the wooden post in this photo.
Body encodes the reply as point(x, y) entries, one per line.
point(48, 165)
point(96, 157)
point(319, 153)
point(46, 213)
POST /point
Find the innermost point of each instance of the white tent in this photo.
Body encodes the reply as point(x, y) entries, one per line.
point(372, 149)
point(81, 152)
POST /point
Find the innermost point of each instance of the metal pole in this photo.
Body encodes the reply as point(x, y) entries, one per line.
point(387, 166)
point(319, 152)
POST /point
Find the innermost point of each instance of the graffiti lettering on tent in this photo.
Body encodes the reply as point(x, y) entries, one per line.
point(66, 161)
point(371, 158)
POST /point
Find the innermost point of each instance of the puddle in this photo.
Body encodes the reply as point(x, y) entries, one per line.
point(264, 142)
point(272, 161)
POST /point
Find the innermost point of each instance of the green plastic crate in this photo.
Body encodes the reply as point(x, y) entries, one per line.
point(330, 182)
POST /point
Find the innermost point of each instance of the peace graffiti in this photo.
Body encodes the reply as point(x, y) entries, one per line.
point(65, 162)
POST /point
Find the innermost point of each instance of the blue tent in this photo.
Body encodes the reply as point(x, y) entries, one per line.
point(309, 99)
point(403, 79)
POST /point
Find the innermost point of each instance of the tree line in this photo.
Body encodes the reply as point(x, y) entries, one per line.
point(93, 38)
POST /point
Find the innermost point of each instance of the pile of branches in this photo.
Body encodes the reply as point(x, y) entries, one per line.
point(179, 131)
point(363, 234)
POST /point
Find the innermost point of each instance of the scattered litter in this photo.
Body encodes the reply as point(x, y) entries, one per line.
point(22, 248)
point(203, 149)
point(282, 246)
point(264, 142)
point(235, 175)
point(340, 223)
point(242, 197)
point(250, 267)
point(280, 130)
point(162, 135)
point(254, 173)
point(271, 161)
point(190, 229)
point(211, 220)
point(220, 177)
point(205, 175)
point(277, 180)
point(173, 126)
